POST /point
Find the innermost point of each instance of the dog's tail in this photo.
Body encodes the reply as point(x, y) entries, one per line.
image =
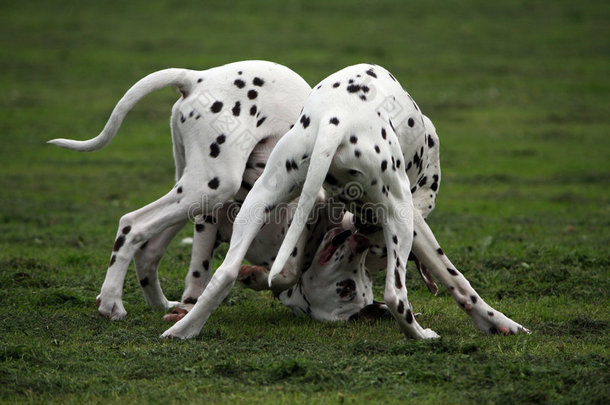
point(328, 139)
point(154, 81)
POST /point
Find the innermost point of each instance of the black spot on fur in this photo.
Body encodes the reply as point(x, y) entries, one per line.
point(490, 313)
point(260, 122)
point(206, 265)
point(252, 94)
point(144, 282)
point(239, 83)
point(199, 227)
point(357, 153)
point(253, 110)
point(305, 121)
point(209, 219)
point(440, 251)
point(395, 239)
point(294, 252)
point(346, 289)
point(214, 183)
point(451, 271)
point(371, 73)
point(236, 109)
point(353, 139)
point(118, 243)
point(397, 280)
point(291, 165)
point(409, 316)
point(473, 298)
point(196, 274)
point(336, 85)
point(377, 149)
point(179, 190)
point(430, 141)
point(126, 230)
point(401, 307)
point(353, 88)
point(258, 82)
point(334, 121)
point(214, 150)
point(112, 260)
point(216, 107)
point(384, 165)
point(383, 133)
point(144, 245)
point(411, 122)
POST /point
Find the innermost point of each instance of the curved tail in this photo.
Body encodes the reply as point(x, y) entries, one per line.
point(146, 85)
point(328, 139)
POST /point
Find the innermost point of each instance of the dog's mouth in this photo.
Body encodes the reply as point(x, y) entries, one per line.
point(337, 238)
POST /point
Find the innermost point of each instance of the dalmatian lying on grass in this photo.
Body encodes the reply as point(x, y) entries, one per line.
point(334, 285)
point(358, 127)
point(223, 129)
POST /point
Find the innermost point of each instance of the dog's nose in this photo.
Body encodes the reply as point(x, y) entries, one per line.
point(340, 238)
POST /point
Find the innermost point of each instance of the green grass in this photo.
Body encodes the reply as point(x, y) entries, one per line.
point(519, 92)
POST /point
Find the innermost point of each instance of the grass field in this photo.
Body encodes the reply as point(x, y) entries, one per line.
point(520, 94)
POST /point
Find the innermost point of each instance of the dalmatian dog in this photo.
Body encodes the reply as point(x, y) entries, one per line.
point(224, 126)
point(358, 128)
point(335, 287)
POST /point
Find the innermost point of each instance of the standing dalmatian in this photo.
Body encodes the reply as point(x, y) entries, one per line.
point(223, 129)
point(359, 127)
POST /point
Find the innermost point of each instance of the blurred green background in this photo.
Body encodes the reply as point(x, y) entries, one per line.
point(519, 93)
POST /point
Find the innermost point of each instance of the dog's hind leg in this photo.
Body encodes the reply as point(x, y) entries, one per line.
point(205, 239)
point(141, 225)
point(429, 252)
point(146, 260)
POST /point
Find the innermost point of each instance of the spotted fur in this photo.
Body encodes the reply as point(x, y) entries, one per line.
point(366, 101)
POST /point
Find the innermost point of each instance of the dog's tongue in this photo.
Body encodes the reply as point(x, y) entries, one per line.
point(327, 254)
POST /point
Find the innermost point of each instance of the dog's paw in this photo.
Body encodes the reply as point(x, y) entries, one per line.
point(178, 331)
point(496, 323)
point(430, 334)
point(254, 277)
point(111, 308)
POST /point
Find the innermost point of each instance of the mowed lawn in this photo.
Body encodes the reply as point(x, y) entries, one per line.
point(520, 94)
